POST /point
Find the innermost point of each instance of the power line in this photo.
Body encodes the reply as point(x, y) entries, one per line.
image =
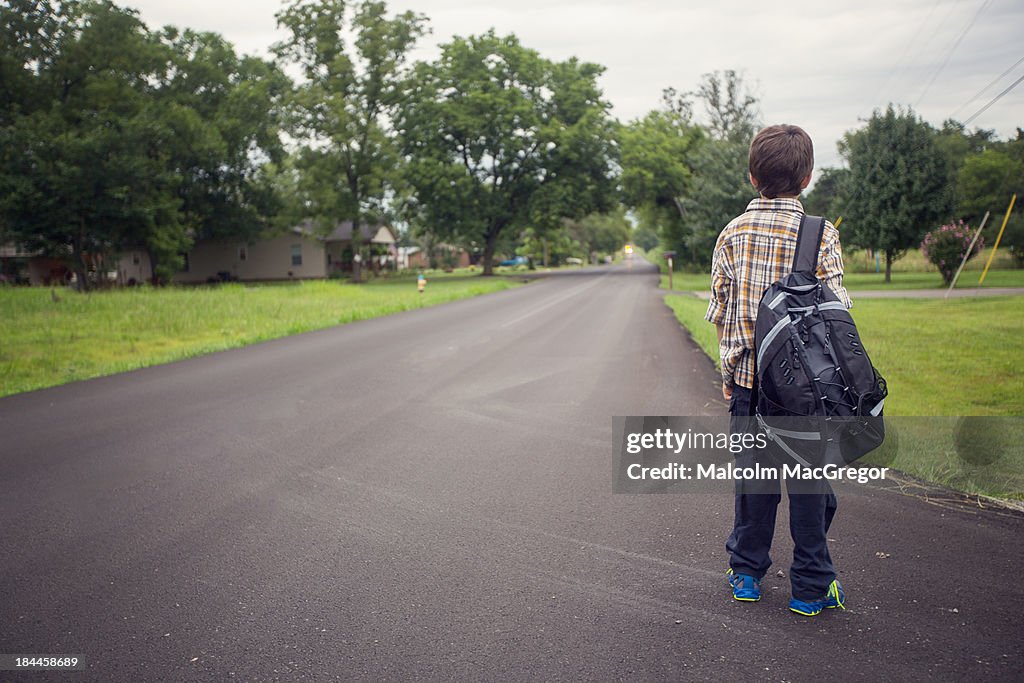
point(980, 92)
point(901, 62)
point(950, 52)
point(993, 101)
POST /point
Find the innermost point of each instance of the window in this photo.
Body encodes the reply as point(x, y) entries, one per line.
point(296, 254)
point(184, 259)
point(135, 259)
point(243, 253)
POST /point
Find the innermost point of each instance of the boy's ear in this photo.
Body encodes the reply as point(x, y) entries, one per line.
point(805, 182)
point(753, 180)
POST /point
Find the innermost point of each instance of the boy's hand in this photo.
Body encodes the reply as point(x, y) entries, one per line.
point(726, 392)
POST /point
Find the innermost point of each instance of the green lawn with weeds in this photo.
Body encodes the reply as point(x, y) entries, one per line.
point(976, 455)
point(44, 343)
point(695, 282)
point(940, 357)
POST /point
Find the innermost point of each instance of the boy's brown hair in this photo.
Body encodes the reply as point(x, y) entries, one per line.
point(780, 158)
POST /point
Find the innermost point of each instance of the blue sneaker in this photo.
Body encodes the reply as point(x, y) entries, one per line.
point(745, 587)
point(835, 597)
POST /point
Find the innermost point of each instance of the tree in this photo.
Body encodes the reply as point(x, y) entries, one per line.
point(657, 156)
point(498, 138)
point(722, 189)
point(28, 29)
point(601, 233)
point(731, 109)
point(115, 136)
point(957, 143)
point(342, 109)
point(821, 201)
point(83, 161)
point(549, 247)
point(690, 180)
point(721, 192)
point(222, 112)
point(986, 183)
point(899, 184)
point(645, 237)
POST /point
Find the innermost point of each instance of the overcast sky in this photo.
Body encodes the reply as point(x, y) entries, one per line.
point(820, 64)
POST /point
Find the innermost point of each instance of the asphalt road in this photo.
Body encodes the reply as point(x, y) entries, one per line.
point(428, 496)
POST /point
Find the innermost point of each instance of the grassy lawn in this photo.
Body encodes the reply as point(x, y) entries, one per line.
point(692, 282)
point(940, 358)
point(910, 272)
point(43, 343)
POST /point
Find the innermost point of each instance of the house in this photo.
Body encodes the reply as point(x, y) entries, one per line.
point(134, 267)
point(19, 265)
point(445, 256)
point(411, 257)
point(302, 253)
point(128, 267)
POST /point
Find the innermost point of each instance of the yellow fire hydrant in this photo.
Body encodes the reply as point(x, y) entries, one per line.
point(421, 283)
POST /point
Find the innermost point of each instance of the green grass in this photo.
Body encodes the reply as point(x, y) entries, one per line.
point(43, 343)
point(912, 271)
point(947, 357)
point(968, 279)
point(988, 459)
point(940, 358)
point(693, 282)
point(858, 261)
point(690, 312)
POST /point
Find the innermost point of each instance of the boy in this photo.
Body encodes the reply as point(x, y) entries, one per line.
point(753, 251)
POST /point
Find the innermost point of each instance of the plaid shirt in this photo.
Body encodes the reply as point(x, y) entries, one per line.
point(753, 251)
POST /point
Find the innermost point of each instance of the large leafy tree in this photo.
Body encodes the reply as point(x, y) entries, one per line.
point(722, 188)
point(225, 113)
point(657, 156)
point(83, 166)
point(821, 201)
point(720, 192)
point(27, 31)
point(499, 139)
point(348, 162)
point(689, 179)
point(601, 233)
point(987, 181)
point(114, 136)
point(899, 184)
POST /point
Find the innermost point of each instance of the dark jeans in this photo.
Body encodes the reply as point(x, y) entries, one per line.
point(810, 515)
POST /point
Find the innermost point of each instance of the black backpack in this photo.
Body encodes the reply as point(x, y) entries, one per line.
point(816, 394)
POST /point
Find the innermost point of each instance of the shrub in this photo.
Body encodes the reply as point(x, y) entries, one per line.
point(1013, 238)
point(947, 245)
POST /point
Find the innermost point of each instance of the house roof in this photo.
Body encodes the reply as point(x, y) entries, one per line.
point(375, 234)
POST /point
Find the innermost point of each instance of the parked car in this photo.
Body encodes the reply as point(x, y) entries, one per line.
point(517, 261)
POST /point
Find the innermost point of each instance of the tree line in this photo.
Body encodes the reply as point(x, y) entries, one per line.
point(116, 135)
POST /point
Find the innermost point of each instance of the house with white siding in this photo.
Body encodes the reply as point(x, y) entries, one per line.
point(302, 253)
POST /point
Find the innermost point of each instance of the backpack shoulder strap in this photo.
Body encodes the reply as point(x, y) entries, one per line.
point(808, 243)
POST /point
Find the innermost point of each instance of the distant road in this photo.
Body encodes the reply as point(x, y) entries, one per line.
point(428, 496)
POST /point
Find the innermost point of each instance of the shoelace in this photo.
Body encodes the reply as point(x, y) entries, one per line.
point(833, 592)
